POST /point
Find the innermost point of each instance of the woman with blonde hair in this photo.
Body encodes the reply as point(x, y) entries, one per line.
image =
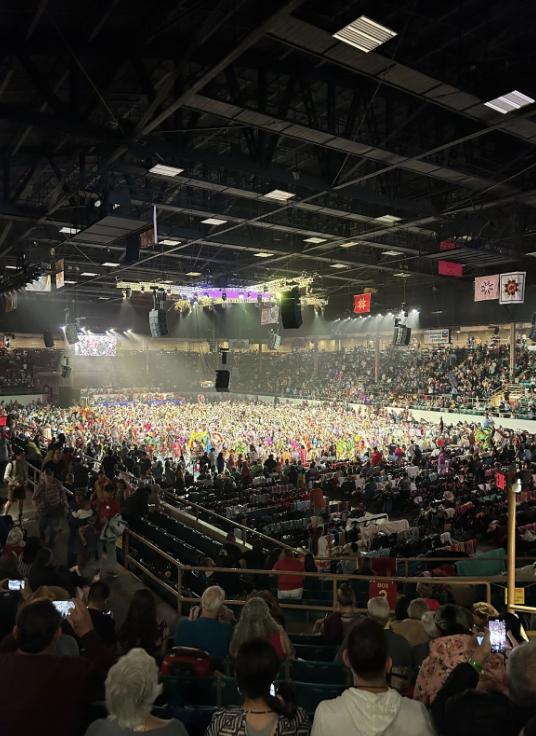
point(256, 622)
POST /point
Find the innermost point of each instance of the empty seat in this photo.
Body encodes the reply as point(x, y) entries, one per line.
point(319, 672)
point(315, 653)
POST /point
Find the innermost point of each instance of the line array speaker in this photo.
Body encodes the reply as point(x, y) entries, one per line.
point(274, 342)
point(71, 334)
point(132, 251)
point(49, 340)
point(158, 323)
point(222, 380)
point(291, 314)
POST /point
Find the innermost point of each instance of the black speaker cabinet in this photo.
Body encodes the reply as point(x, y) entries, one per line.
point(291, 314)
point(222, 380)
point(158, 323)
point(71, 334)
point(49, 340)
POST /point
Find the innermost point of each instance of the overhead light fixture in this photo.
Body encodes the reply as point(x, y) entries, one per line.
point(15, 267)
point(263, 255)
point(512, 101)
point(365, 34)
point(437, 311)
point(403, 275)
point(69, 282)
point(392, 253)
point(279, 195)
point(105, 298)
point(533, 253)
point(69, 230)
point(315, 240)
point(165, 170)
point(337, 265)
point(168, 281)
point(349, 245)
point(388, 219)
point(213, 221)
point(194, 273)
point(88, 273)
point(110, 264)
point(169, 241)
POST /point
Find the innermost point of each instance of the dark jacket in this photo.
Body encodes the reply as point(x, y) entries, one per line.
point(460, 710)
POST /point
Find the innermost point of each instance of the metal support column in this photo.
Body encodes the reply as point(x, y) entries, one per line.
point(511, 548)
point(512, 351)
point(377, 357)
point(315, 357)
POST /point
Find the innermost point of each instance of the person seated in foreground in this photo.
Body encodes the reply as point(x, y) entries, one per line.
point(209, 626)
point(337, 625)
point(370, 707)
point(256, 669)
point(98, 605)
point(44, 693)
point(256, 622)
point(398, 647)
point(289, 586)
point(465, 705)
point(141, 627)
point(411, 628)
point(131, 689)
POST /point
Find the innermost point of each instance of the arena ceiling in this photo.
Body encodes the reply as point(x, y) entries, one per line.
point(384, 154)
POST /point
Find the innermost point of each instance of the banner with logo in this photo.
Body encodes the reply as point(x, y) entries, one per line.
point(385, 590)
point(436, 337)
point(512, 288)
point(238, 344)
point(486, 288)
point(270, 315)
point(361, 303)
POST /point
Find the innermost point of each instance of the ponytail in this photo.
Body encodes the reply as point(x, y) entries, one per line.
point(281, 707)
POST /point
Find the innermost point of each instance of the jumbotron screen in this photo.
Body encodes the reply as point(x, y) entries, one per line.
point(96, 346)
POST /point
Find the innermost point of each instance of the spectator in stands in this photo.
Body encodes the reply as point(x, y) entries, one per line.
point(131, 689)
point(99, 609)
point(256, 623)
point(9, 563)
point(44, 693)
point(371, 707)
point(208, 626)
point(16, 476)
point(336, 626)
point(80, 473)
point(245, 474)
point(256, 668)
point(426, 591)
point(53, 461)
point(401, 609)
point(365, 567)
point(15, 541)
point(320, 550)
point(289, 586)
point(420, 652)
point(462, 709)
point(231, 546)
point(141, 627)
point(454, 644)
point(46, 571)
point(398, 647)
point(270, 464)
point(101, 484)
point(411, 628)
point(106, 510)
point(50, 503)
point(482, 612)
point(377, 458)
point(27, 558)
point(5, 452)
point(109, 464)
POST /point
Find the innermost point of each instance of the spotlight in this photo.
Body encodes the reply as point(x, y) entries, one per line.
point(124, 294)
point(241, 295)
point(278, 295)
point(128, 292)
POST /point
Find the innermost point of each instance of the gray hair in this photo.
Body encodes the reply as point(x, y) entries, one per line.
point(417, 608)
point(255, 622)
point(15, 536)
point(429, 624)
point(131, 689)
point(212, 599)
point(521, 672)
point(378, 609)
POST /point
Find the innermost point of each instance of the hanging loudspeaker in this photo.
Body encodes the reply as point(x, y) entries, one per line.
point(71, 334)
point(132, 251)
point(65, 371)
point(291, 314)
point(222, 380)
point(49, 340)
point(158, 323)
point(274, 341)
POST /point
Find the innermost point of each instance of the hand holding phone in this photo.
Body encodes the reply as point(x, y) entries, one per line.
point(497, 631)
point(64, 607)
point(15, 585)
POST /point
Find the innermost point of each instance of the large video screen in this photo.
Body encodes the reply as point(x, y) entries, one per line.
point(96, 346)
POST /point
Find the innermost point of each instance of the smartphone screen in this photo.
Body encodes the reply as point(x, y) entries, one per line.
point(15, 585)
point(497, 630)
point(272, 690)
point(64, 607)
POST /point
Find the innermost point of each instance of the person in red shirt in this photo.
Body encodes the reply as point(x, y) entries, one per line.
point(289, 586)
point(377, 457)
point(106, 510)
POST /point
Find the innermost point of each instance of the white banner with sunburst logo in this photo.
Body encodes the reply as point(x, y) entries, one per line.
point(512, 288)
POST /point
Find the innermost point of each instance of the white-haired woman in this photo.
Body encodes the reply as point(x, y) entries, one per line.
point(256, 622)
point(131, 689)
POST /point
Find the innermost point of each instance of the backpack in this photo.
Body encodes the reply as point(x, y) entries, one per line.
point(187, 661)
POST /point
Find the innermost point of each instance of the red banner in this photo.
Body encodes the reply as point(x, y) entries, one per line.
point(449, 268)
point(361, 303)
point(379, 589)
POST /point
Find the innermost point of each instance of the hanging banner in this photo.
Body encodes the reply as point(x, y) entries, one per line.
point(486, 288)
point(385, 590)
point(42, 284)
point(60, 273)
point(238, 344)
point(449, 268)
point(361, 303)
point(270, 315)
point(11, 302)
point(436, 337)
point(512, 288)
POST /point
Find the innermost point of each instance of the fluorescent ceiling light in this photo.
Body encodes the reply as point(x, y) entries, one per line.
point(104, 297)
point(69, 230)
point(315, 240)
point(349, 245)
point(193, 273)
point(388, 219)
point(392, 253)
point(512, 101)
point(88, 273)
point(533, 253)
point(16, 266)
point(69, 282)
point(168, 281)
point(337, 265)
point(165, 170)
point(110, 264)
point(263, 255)
point(438, 311)
point(169, 241)
point(279, 194)
point(213, 221)
point(365, 34)
point(403, 275)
